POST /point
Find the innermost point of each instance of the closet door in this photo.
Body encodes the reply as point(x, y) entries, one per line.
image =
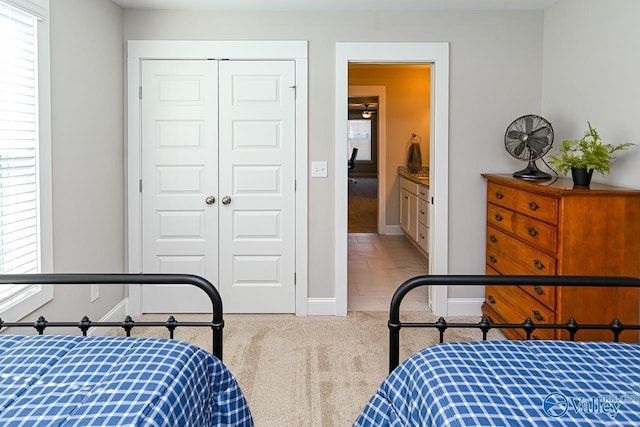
point(257, 186)
point(218, 183)
point(179, 114)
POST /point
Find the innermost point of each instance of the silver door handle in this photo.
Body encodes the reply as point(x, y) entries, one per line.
point(210, 200)
point(226, 200)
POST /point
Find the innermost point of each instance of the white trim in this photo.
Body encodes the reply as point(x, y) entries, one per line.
point(116, 314)
point(465, 306)
point(37, 8)
point(392, 230)
point(321, 307)
point(381, 93)
point(45, 188)
point(138, 50)
point(390, 52)
point(455, 307)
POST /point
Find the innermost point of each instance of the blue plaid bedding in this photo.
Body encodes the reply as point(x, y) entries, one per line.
point(115, 381)
point(511, 383)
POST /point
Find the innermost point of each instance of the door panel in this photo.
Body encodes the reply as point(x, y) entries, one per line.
point(179, 171)
point(257, 137)
point(219, 129)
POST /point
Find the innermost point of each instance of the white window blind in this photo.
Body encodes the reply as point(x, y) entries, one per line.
point(19, 245)
point(359, 136)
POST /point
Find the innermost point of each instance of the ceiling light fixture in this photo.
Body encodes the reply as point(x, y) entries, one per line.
point(366, 114)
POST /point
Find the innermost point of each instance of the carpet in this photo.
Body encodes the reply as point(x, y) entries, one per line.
point(310, 371)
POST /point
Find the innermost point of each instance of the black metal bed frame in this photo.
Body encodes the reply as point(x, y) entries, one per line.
point(484, 325)
point(216, 324)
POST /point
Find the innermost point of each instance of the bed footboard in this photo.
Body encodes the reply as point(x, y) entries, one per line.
point(216, 324)
point(484, 325)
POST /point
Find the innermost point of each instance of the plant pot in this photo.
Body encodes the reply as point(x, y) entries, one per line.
point(581, 177)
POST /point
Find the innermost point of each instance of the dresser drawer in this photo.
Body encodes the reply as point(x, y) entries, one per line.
point(543, 208)
point(500, 217)
point(538, 206)
point(502, 195)
point(545, 294)
point(537, 233)
point(514, 306)
point(511, 251)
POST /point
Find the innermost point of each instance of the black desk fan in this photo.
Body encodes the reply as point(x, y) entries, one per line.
point(528, 138)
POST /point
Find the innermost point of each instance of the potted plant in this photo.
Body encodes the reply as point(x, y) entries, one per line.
point(583, 156)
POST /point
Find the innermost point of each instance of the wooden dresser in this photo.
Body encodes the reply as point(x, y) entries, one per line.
point(549, 228)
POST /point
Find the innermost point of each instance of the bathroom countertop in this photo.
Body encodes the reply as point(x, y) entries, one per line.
point(422, 177)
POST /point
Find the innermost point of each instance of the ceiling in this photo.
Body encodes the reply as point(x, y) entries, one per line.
point(329, 5)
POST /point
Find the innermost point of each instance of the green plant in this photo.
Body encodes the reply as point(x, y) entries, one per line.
point(587, 152)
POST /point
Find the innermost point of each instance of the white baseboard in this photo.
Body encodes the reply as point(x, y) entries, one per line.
point(455, 307)
point(321, 306)
point(392, 230)
point(117, 314)
point(464, 306)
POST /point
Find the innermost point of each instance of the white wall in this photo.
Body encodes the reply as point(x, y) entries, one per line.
point(591, 61)
point(496, 63)
point(87, 78)
point(499, 70)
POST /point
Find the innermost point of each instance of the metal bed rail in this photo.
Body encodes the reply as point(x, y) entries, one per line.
point(216, 324)
point(484, 325)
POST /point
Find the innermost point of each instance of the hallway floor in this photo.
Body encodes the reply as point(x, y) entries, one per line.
point(377, 265)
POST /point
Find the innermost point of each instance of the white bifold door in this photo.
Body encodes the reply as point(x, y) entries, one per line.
point(218, 183)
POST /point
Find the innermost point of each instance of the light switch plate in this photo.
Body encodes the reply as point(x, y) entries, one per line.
point(319, 170)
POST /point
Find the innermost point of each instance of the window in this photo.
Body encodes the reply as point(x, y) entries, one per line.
point(24, 157)
point(359, 136)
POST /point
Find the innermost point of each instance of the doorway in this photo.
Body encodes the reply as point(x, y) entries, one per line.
point(436, 54)
point(379, 261)
point(363, 178)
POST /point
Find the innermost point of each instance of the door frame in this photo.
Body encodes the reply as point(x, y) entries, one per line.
point(139, 50)
point(437, 54)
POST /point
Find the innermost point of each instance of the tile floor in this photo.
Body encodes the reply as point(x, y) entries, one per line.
point(376, 266)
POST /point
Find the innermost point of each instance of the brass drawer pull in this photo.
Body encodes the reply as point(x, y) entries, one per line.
point(499, 195)
point(533, 206)
point(538, 264)
point(491, 299)
point(498, 217)
point(538, 290)
point(493, 238)
point(537, 315)
point(533, 232)
point(492, 259)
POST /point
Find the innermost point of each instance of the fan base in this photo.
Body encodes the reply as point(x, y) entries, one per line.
point(531, 172)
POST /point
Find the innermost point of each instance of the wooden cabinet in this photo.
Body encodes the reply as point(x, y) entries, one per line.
point(409, 208)
point(414, 212)
point(549, 228)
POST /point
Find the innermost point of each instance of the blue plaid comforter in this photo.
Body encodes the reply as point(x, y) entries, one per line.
point(115, 381)
point(511, 383)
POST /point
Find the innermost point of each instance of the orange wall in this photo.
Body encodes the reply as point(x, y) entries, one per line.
point(407, 92)
point(408, 111)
